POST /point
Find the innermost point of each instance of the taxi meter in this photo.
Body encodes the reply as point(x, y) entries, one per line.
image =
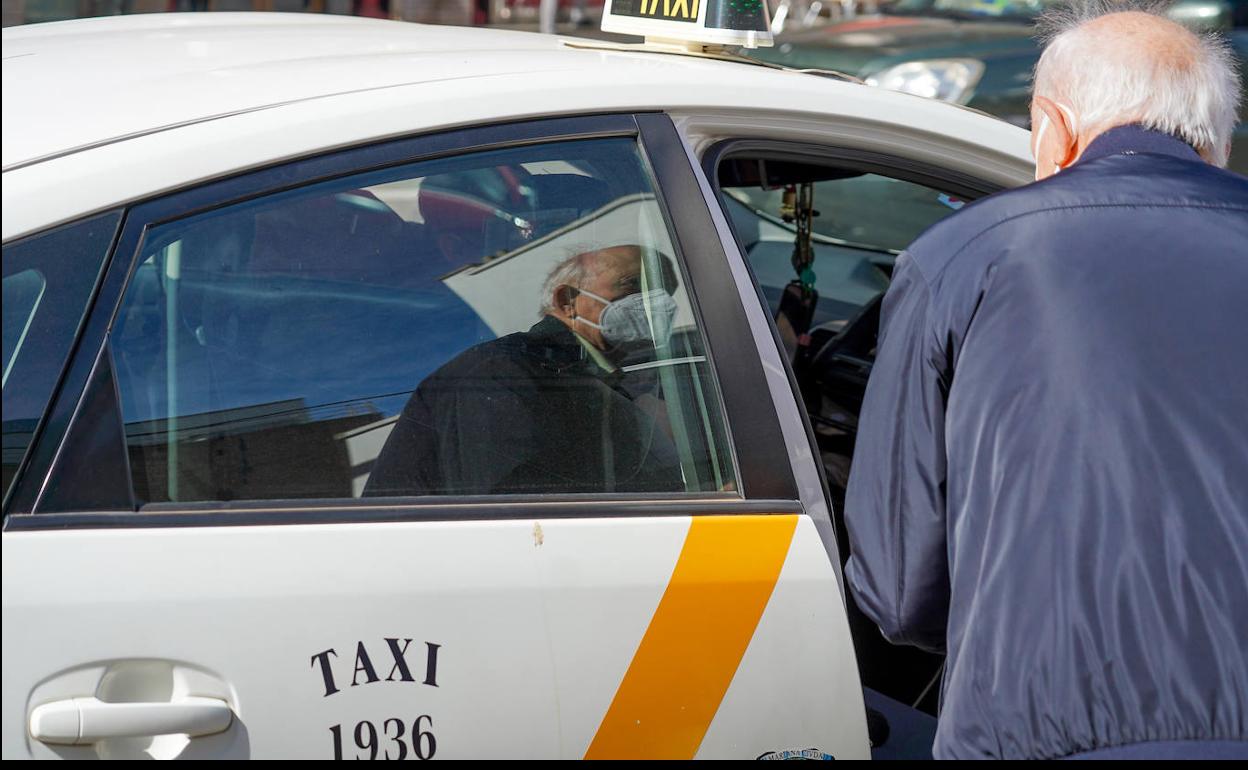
point(714, 22)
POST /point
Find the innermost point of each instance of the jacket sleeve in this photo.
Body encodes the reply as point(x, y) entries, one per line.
point(895, 501)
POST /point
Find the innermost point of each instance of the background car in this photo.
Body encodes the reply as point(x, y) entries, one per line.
point(972, 52)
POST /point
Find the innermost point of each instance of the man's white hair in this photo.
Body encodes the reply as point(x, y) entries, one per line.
point(574, 270)
point(1189, 88)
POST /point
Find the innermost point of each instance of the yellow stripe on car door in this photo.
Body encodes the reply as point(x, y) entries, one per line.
point(723, 579)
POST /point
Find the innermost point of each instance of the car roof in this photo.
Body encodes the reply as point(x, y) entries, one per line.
point(175, 69)
point(106, 111)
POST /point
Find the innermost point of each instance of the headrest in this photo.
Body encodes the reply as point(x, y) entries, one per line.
point(564, 198)
point(448, 210)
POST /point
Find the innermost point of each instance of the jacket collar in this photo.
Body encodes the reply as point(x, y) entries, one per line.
point(1136, 140)
point(558, 349)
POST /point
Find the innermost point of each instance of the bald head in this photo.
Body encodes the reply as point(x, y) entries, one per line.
point(1109, 63)
point(1148, 43)
point(1144, 34)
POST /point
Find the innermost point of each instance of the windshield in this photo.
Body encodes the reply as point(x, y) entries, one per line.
point(963, 9)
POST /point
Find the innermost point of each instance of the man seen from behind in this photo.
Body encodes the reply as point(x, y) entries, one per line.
point(1051, 478)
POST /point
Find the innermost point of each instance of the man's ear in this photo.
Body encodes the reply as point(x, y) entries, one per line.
point(1061, 135)
point(564, 300)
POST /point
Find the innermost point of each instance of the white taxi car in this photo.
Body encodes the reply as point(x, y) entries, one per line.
point(375, 391)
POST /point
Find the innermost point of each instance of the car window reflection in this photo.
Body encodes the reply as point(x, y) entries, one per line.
point(399, 334)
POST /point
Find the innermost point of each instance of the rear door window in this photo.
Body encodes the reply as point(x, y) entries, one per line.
point(504, 322)
point(48, 280)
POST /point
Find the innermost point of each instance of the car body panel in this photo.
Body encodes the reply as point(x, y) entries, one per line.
point(255, 610)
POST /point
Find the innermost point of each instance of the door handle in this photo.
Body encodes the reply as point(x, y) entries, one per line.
point(80, 721)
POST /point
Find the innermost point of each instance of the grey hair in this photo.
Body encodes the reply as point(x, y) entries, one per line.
point(1194, 96)
point(579, 265)
point(572, 270)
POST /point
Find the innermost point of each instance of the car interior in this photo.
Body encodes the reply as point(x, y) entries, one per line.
point(825, 296)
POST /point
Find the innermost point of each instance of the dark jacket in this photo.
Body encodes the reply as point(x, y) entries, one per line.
point(1051, 479)
point(531, 412)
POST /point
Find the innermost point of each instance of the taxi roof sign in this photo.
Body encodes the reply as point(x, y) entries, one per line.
point(709, 22)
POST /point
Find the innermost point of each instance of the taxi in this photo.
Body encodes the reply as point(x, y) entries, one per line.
point(382, 391)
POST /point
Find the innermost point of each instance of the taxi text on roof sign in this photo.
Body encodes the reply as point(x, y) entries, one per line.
point(714, 22)
point(668, 10)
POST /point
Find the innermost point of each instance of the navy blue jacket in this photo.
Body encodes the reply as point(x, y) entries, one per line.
point(1050, 482)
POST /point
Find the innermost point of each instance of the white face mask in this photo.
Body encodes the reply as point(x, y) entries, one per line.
point(625, 320)
point(1044, 124)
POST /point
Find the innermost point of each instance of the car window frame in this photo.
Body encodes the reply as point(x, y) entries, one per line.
point(765, 482)
point(13, 502)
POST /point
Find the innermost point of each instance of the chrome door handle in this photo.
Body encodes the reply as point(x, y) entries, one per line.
point(80, 721)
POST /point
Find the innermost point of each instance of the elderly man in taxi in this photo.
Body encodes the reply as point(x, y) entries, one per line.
point(1050, 483)
point(548, 409)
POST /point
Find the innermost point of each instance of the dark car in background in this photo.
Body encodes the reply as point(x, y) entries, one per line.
point(980, 53)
